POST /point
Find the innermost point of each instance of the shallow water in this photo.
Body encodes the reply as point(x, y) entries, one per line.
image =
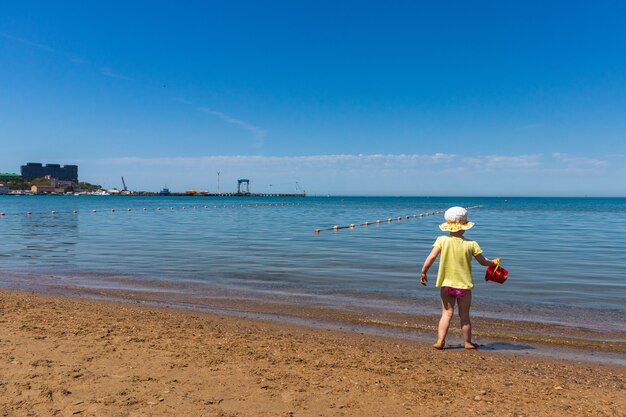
point(565, 255)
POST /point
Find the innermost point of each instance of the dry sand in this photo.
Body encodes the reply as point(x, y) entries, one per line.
point(75, 357)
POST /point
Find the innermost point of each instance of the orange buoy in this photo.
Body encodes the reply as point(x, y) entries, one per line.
point(399, 218)
point(366, 223)
point(317, 231)
point(389, 220)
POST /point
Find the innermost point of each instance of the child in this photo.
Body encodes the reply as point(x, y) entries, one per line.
point(455, 273)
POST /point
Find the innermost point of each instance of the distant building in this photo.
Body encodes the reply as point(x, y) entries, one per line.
point(55, 186)
point(46, 189)
point(6, 176)
point(33, 170)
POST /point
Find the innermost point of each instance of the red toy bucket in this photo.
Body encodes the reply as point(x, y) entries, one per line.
point(496, 274)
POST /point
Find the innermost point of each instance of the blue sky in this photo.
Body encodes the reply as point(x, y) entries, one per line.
point(361, 98)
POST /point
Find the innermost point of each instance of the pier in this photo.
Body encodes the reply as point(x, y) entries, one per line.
point(236, 195)
point(243, 190)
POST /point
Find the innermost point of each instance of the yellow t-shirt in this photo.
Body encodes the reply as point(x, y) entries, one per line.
point(455, 264)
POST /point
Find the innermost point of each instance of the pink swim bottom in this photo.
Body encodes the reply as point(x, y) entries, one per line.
point(455, 292)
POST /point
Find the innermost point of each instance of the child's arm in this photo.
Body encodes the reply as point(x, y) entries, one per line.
point(428, 263)
point(484, 261)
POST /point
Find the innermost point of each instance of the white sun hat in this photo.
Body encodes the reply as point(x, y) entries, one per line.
point(456, 219)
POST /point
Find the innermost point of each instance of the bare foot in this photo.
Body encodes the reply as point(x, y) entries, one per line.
point(470, 345)
point(440, 344)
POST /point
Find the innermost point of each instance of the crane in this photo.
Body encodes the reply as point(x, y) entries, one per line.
point(124, 184)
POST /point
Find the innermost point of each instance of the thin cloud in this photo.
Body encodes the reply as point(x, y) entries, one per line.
point(504, 161)
point(347, 160)
point(398, 174)
point(108, 72)
point(27, 42)
point(259, 134)
point(580, 162)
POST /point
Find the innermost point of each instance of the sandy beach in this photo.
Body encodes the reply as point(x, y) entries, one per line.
point(72, 356)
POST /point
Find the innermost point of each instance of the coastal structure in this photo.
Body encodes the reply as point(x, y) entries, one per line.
point(4, 189)
point(46, 189)
point(241, 183)
point(33, 170)
point(54, 187)
point(243, 190)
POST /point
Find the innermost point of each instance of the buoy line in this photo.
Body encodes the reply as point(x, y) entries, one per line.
point(387, 220)
point(144, 209)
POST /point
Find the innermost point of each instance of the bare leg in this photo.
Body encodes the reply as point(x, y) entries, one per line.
point(447, 311)
point(465, 303)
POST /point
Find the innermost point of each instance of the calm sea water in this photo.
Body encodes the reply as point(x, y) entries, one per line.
point(566, 256)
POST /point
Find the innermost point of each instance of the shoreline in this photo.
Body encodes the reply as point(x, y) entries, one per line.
point(534, 338)
point(75, 356)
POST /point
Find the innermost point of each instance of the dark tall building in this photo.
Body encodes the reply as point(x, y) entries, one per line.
point(33, 170)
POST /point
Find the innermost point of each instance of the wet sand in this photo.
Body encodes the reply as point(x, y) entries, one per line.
point(555, 335)
point(69, 356)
